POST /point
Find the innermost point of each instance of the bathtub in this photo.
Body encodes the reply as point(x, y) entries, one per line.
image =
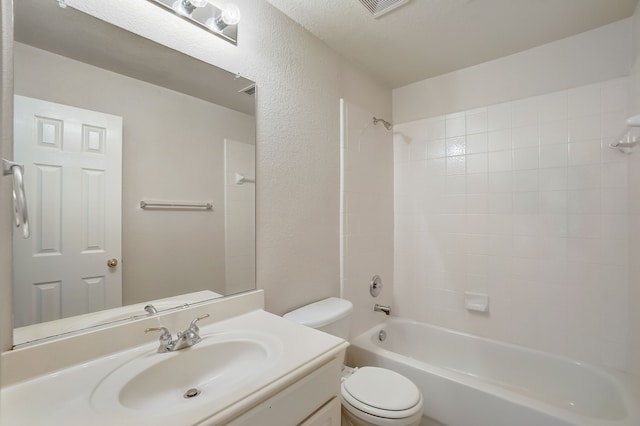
point(472, 381)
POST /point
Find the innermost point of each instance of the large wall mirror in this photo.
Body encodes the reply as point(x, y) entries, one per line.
point(139, 172)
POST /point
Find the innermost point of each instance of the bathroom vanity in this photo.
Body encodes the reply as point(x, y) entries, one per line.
point(251, 367)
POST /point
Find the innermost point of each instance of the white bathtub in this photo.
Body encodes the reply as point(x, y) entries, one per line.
point(471, 381)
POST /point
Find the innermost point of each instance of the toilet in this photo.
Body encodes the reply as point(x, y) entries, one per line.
point(370, 395)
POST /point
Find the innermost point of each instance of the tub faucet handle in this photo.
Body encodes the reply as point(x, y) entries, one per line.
point(382, 308)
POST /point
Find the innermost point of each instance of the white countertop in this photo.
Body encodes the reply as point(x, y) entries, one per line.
point(65, 396)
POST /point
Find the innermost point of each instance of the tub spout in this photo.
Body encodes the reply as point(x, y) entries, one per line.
point(382, 308)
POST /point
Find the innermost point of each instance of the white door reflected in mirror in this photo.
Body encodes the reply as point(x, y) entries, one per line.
point(73, 163)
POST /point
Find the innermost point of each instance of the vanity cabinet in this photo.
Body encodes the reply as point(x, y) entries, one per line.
point(313, 400)
point(295, 378)
point(328, 415)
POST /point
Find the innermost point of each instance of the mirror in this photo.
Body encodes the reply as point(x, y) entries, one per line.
point(139, 171)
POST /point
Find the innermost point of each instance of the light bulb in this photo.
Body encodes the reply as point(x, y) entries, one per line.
point(186, 7)
point(230, 14)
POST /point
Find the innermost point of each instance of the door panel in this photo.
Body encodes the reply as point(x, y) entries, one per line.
point(73, 181)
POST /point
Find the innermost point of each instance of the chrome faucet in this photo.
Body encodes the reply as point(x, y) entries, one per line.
point(166, 340)
point(382, 308)
point(150, 309)
point(184, 339)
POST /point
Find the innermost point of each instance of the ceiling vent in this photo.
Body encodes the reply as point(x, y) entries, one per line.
point(381, 7)
point(249, 90)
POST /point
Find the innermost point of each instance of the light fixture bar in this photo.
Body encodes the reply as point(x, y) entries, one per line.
point(206, 16)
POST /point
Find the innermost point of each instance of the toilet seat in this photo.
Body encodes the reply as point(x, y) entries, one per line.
point(382, 393)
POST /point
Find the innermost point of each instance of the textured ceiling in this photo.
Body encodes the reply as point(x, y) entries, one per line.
point(425, 38)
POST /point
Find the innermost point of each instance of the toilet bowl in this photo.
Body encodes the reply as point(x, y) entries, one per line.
point(370, 395)
point(378, 396)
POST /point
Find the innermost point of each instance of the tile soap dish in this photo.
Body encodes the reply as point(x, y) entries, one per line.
point(478, 302)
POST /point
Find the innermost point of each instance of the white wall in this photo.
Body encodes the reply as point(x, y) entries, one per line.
point(240, 235)
point(300, 82)
point(634, 208)
point(160, 249)
point(366, 213)
point(595, 55)
point(511, 190)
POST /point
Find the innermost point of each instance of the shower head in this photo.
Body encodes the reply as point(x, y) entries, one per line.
point(386, 124)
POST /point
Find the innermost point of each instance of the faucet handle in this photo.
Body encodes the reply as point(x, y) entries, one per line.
point(201, 317)
point(162, 330)
point(166, 340)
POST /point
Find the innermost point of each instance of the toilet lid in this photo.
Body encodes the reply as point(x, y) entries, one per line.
point(382, 389)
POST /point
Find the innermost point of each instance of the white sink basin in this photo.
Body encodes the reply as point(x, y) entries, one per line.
point(204, 373)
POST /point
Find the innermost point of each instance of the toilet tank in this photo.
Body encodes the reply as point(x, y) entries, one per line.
point(332, 315)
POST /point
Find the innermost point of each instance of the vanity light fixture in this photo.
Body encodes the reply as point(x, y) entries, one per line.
point(219, 20)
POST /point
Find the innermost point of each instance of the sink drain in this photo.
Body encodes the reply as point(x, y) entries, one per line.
point(191, 393)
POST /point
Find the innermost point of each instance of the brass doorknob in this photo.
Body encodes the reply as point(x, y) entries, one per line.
point(112, 263)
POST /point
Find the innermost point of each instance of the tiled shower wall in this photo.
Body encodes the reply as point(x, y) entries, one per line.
point(526, 202)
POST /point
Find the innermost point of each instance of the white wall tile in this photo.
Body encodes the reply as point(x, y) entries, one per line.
point(553, 107)
point(521, 199)
point(553, 156)
point(525, 224)
point(615, 201)
point(552, 179)
point(614, 176)
point(525, 202)
point(554, 132)
point(554, 248)
point(584, 226)
point(585, 177)
point(614, 225)
point(499, 161)
point(587, 152)
point(477, 163)
point(612, 122)
point(478, 204)
point(553, 202)
point(526, 246)
point(456, 185)
point(524, 112)
point(499, 140)
point(436, 128)
point(584, 201)
point(583, 101)
point(525, 136)
point(436, 148)
point(501, 203)
point(614, 95)
point(417, 150)
point(476, 143)
point(455, 126)
point(501, 181)
point(584, 128)
point(554, 225)
point(527, 158)
point(477, 183)
point(456, 165)
point(525, 180)
point(476, 121)
point(499, 117)
point(456, 146)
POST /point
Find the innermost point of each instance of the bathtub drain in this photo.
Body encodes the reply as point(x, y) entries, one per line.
point(382, 335)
